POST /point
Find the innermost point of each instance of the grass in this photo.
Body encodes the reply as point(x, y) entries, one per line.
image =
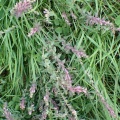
point(25, 61)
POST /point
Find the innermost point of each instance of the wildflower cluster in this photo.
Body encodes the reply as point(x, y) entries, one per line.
point(93, 20)
point(22, 6)
point(96, 20)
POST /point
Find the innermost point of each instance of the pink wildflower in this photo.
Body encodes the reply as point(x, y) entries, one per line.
point(96, 20)
point(79, 53)
point(32, 89)
point(22, 104)
point(22, 7)
point(55, 105)
point(34, 30)
point(7, 113)
point(68, 77)
point(74, 112)
point(47, 15)
point(78, 89)
point(102, 99)
point(73, 16)
point(44, 115)
point(64, 16)
point(72, 118)
point(117, 29)
point(46, 99)
point(30, 109)
point(68, 81)
point(110, 110)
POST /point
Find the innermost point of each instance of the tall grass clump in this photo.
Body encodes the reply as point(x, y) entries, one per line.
point(59, 60)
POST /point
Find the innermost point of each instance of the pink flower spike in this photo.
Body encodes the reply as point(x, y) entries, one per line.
point(78, 89)
point(64, 16)
point(46, 98)
point(79, 53)
point(73, 16)
point(47, 15)
point(22, 104)
point(7, 113)
point(34, 30)
point(96, 20)
point(46, 12)
point(32, 89)
point(67, 77)
point(22, 7)
point(30, 109)
point(108, 107)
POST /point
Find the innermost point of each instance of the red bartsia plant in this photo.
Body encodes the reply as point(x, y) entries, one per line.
point(78, 53)
point(93, 20)
point(32, 89)
point(64, 16)
point(30, 109)
point(34, 30)
point(79, 89)
point(68, 80)
point(67, 77)
point(22, 7)
point(47, 15)
point(102, 99)
point(22, 103)
point(96, 20)
point(46, 99)
point(108, 107)
point(7, 113)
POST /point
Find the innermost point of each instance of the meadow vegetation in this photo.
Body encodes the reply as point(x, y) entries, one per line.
point(59, 60)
